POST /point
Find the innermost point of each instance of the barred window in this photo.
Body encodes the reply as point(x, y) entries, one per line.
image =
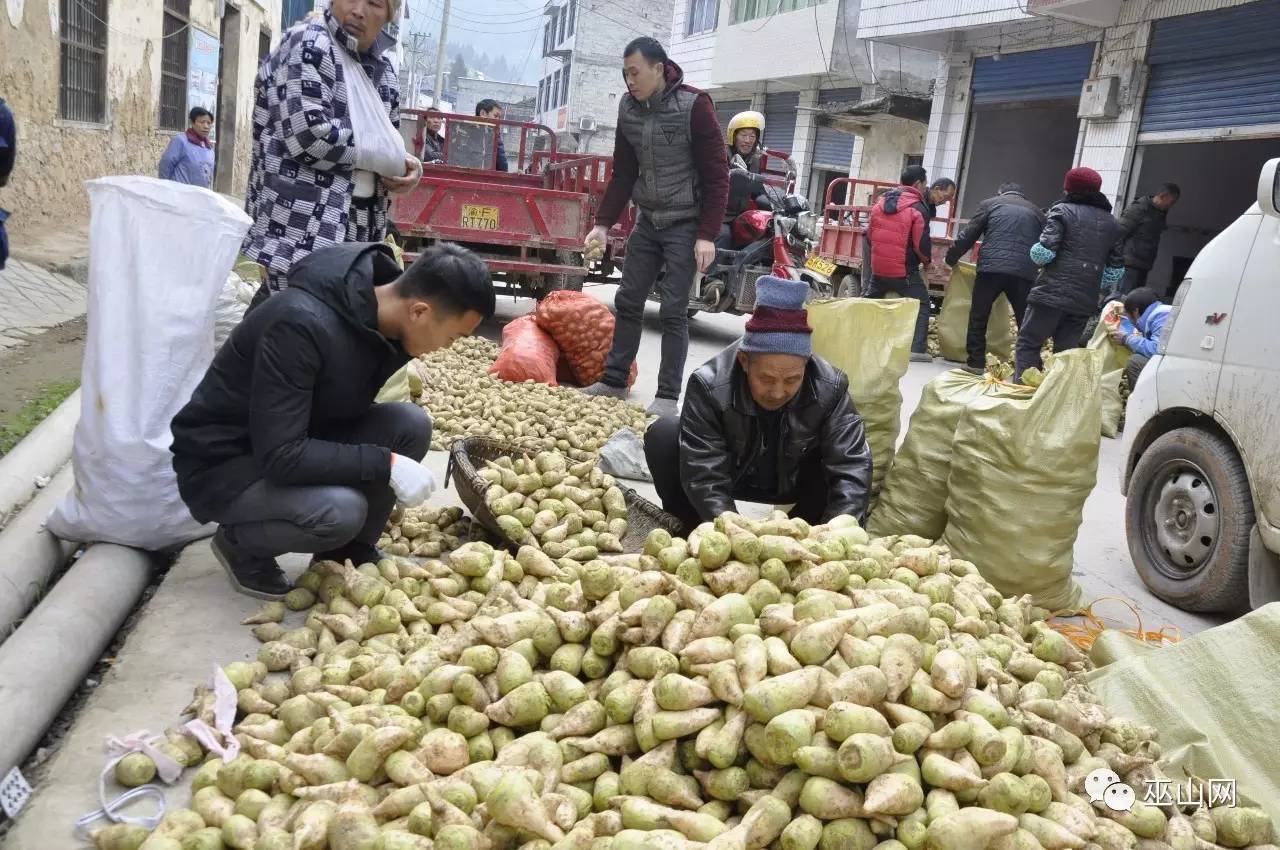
point(564, 84)
point(173, 64)
point(82, 84)
point(573, 13)
point(702, 16)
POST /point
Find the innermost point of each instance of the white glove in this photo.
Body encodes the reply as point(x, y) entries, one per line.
point(412, 482)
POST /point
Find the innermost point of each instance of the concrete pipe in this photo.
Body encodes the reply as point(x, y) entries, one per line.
point(48, 657)
point(41, 453)
point(30, 554)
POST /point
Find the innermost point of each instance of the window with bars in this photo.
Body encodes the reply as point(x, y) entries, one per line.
point(555, 89)
point(573, 13)
point(82, 61)
point(562, 20)
point(173, 64)
point(749, 10)
point(702, 16)
point(564, 84)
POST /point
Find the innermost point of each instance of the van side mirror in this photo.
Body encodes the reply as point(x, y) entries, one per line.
point(1269, 188)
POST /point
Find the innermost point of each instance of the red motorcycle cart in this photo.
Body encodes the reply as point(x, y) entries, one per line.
point(846, 214)
point(528, 224)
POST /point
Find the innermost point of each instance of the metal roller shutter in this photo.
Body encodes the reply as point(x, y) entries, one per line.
point(1054, 74)
point(780, 119)
point(725, 110)
point(1214, 69)
point(831, 146)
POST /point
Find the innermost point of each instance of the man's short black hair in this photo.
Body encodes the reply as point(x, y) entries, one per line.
point(1173, 190)
point(1137, 301)
point(487, 105)
point(1009, 187)
point(197, 112)
point(452, 277)
point(943, 184)
point(913, 174)
point(650, 48)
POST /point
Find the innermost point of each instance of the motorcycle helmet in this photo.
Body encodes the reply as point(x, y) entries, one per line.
point(750, 227)
point(748, 120)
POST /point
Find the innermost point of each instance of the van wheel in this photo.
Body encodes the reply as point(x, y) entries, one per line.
point(1188, 518)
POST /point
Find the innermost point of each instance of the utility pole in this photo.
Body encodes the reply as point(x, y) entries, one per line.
point(444, 35)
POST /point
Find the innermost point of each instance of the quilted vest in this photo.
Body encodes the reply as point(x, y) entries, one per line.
point(666, 189)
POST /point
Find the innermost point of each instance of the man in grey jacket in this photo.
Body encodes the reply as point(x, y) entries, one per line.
point(1007, 225)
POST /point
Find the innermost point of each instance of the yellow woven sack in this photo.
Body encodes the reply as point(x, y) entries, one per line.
point(870, 341)
point(1023, 463)
point(953, 320)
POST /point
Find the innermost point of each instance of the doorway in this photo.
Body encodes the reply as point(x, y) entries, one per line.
point(1031, 144)
point(228, 88)
point(1219, 181)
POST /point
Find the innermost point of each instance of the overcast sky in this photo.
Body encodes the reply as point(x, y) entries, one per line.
point(509, 28)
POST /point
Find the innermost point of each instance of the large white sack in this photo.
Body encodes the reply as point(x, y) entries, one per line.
point(159, 255)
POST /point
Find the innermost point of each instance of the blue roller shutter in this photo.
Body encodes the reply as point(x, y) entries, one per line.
point(725, 110)
point(831, 146)
point(1054, 74)
point(1214, 69)
point(780, 120)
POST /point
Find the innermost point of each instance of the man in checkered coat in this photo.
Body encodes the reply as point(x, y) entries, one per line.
point(302, 180)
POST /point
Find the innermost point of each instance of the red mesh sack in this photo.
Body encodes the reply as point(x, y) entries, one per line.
point(583, 328)
point(528, 352)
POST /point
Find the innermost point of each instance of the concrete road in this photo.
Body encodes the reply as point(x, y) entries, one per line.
point(192, 622)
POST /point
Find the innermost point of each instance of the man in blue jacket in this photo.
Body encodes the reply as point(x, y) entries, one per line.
point(1147, 317)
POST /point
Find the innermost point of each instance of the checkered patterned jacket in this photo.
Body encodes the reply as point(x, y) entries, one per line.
point(300, 180)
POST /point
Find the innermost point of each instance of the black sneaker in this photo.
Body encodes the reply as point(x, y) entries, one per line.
point(355, 552)
point(974, 370)
point(250, 574)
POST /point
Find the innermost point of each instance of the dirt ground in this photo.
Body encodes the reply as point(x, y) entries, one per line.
point(53, 356)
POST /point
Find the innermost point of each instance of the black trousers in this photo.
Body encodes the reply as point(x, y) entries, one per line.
point(912, 286)
point(271, 519)
point(986, 289)
point(1133, 278)
point(648, 251)
point(1134, 367)
point(662, 451)
point(1041, 324)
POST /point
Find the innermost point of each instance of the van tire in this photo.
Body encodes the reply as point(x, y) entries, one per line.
point(1195, 479)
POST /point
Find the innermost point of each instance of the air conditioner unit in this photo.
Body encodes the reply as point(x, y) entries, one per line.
point(587, 125)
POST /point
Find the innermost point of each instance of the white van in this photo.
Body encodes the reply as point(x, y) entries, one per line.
point(1202, 433)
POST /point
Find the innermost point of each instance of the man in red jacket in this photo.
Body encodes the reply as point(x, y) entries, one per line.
point(668, 158)
point(899, 242)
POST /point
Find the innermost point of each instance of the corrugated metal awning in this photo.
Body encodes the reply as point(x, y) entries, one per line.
point(1214, 69)
point(1054, 74)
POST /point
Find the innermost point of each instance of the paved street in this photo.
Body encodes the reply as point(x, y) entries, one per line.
point(193, 620)
point(33, 299)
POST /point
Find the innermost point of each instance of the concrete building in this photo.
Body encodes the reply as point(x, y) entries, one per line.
point(472, 90)
point(840, 106)
point(99, 87)
point(581, 82)
point(1179, 91)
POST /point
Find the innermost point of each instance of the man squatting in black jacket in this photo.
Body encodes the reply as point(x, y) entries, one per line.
point(281, 443)
point(766, 420)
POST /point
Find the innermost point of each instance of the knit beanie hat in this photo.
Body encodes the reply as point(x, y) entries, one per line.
point(779, 324)
point(1082, 180)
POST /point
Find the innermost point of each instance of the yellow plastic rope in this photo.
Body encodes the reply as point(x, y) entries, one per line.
point(1083, 635)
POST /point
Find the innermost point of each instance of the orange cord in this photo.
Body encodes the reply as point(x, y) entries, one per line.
point(1083, 635)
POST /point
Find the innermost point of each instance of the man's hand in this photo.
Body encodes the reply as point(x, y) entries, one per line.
point(593, 247)
point(704, 253)
point(1119, 337)
point(412, 482)
point(412, 174)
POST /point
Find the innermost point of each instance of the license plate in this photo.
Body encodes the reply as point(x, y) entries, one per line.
point(821, 266)
point(479, 217)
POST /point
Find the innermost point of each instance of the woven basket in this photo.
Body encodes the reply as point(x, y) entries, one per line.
point(468, 455)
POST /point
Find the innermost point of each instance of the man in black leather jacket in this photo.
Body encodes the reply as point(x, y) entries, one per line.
point(765, 420)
